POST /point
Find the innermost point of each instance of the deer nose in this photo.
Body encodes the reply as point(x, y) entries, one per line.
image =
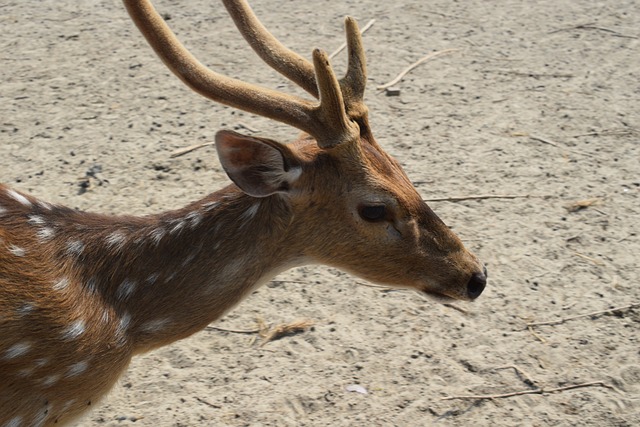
point(477, 284)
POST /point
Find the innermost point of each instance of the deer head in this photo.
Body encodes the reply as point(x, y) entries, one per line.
point(351, 205)
point(81, 293)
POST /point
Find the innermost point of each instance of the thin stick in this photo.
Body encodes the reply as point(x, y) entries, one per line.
point(533, 391)
point(455, 307)
point(249, 128)
point(539, 75)
point(555, 144)
point(480, 197)
point(544, 140)
point(182, 151)
point(414, 65)
point(595, 313)
point(343, 45)
point(526, 377)
point(284, 329)
point(207, 403)
point(588, 258)
point(234, 331)
point(538, 336)
point(288, 281)
point(592, 26)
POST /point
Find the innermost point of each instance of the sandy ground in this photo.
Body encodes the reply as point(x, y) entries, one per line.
point(542, 101)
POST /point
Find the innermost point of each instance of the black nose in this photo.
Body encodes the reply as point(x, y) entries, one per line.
point(476, 284)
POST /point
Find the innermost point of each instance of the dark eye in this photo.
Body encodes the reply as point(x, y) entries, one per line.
point(373, 213)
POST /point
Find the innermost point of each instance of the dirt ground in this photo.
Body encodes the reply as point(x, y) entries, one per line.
point(540, 101)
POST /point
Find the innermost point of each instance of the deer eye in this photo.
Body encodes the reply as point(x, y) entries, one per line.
point(373, 213)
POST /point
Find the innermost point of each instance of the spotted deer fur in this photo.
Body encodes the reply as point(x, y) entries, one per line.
point(82, 293)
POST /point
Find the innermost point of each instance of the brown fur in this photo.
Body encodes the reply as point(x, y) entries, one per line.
point(82, 293)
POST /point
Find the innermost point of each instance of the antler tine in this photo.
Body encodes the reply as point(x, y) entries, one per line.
point(327, 121)
point(355, 80)
point(338, 128)
point(288, 109)
point(275, 54)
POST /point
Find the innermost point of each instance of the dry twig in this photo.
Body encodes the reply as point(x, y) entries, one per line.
point(234, 331)
point(526, 378)
point(480, 197)
point(593, 26)
point(583, 204)
point(532, 391)
point(284, 329)
point(609, 132)
point(207, 403)
point(595, 313)
point(343, 45)
point(289, 281)
point(590, 259)
point(414, 65)
point(535, 334)
point(247, 127)
point(455, 307)
point(182, 151)
point(555, 144)
point(544, 141)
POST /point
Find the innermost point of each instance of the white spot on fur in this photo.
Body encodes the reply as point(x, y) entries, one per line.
point(106, 317)
point(18, 197)
point(25, 309)
point(189, 258)
point(2, 210)
point(14, 422)
point(77, 368)
point(123, 327)
point(74, 330)
point(75, 247)
point(45, 205)
point(45, 234)
point(17, 350)
point(152, 278)
point(194, 218)
point(50, 380)
point(39, 363)
point(61, 284)
point(293, 174)
point(251, 212)
point(36, 220)
point(126, 288)
point(17, 250)
point(209, 206)
point(171, 276)
point(232, 269)
point(157, 235)
point(116, 240)
point(68, 404)
point(178, 225)
point(25, 372)
point(154, 325)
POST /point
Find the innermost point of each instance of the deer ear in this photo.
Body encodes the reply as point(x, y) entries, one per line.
point(259, 166)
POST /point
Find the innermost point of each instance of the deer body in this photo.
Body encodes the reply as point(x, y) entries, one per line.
point(82, 305)
point(82, 293)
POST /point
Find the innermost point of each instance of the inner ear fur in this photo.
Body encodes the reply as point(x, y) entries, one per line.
point(259, 166)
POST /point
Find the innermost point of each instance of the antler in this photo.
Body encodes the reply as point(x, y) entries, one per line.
point(295, 67)
point(327, 121)
point(275, 54)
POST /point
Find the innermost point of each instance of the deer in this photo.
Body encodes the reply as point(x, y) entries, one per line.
point(82, 293)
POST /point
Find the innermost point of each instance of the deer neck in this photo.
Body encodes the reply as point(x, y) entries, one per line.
point(166, 276)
